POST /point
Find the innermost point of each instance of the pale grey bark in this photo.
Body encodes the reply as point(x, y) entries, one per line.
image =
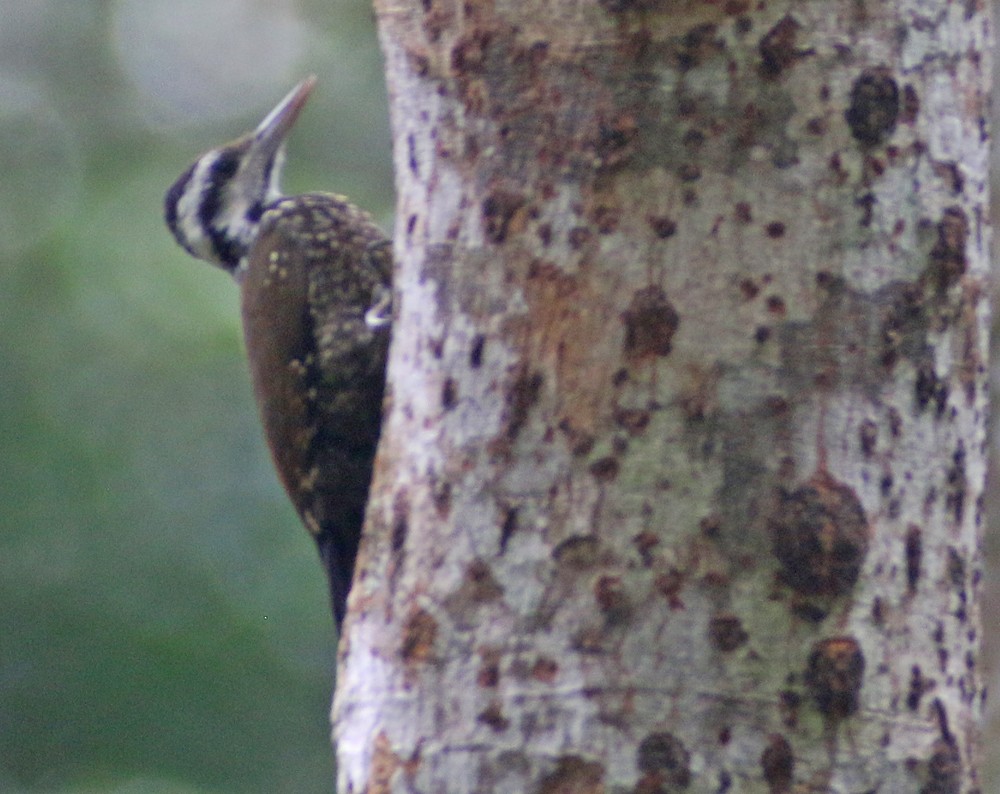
point(680, 486)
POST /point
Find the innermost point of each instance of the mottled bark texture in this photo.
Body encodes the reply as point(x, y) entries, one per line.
point(680, 488)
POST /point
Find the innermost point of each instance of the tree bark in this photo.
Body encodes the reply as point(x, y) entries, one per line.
point(680, 484)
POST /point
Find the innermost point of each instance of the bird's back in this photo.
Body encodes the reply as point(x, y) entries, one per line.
point(315, 269)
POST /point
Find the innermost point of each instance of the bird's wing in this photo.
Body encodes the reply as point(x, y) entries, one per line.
point(318, 369)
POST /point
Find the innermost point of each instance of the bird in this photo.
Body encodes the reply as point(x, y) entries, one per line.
point(315, 280)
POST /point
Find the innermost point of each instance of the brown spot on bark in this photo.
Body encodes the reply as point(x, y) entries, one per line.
point(437, 18)
point(499, 209)
point(577, 551)
point(789, 702)
point(742, 212)
point(441, 496)
point(580, 442)
point(726, 633)
point(544, 670)
point(384, 764)
point(606, 218)
point(621, 6)
point(834, 674)
point(914, 556)
point(816, 126)
point(650, 324)
point(493, 716)
point(419, 635)
point(810, 611)
point(903, 324)
point(633, 420)
point(449, 394)
point(571, 331)
point(711, 525)
point(947, 258)
point(479, 585)
point(616, 141)
point(749, 289)
point(878, 612)
point(698, 398)
point(589, 640)
point(867, 204)
point(868, 437)
point(664, 763)
point(662, 226)
point(778, 763)
point(605, 469)
point(573, 775)
point(928, 389)
point(578, 237)
point(469, 53)
point(775, 229)
point(895, 423)
point(950, 174)
point(956, 568)
point(612, 599)
point(508, 527)
point(944, 769)
point(400, 521)
point(645, 542)
point(874, 107)
point(419, 63)
point(698, 45)
point(476, 351)
point(874, 167)
point(488, 675)
point(820, 537)
point(689, 172)
point(841, 174)
point(669, 584)
point(777, 47)
point(521, 396)
point(911, 105)
point(776, 305)
point(918, 687)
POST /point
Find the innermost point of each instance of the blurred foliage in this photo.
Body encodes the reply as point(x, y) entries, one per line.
point(164, 623)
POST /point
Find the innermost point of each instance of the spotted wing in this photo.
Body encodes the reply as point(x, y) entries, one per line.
point(318, 369)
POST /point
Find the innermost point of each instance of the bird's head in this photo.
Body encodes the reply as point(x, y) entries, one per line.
point(214, 208)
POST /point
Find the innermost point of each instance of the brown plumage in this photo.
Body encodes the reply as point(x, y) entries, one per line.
point(315, 280)
point(318, 368)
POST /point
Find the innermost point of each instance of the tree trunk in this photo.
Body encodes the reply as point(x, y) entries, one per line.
point(680, 484)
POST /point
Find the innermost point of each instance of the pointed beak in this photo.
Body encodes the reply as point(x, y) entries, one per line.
point(271, 132)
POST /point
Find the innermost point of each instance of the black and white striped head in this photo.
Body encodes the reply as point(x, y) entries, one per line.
point(214, 208)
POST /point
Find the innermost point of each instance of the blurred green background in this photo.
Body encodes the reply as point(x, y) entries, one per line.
point(164, 624)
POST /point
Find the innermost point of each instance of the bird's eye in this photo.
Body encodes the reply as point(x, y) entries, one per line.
point(225, 165)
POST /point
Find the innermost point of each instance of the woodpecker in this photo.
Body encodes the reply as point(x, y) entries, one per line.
point(314, 273)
